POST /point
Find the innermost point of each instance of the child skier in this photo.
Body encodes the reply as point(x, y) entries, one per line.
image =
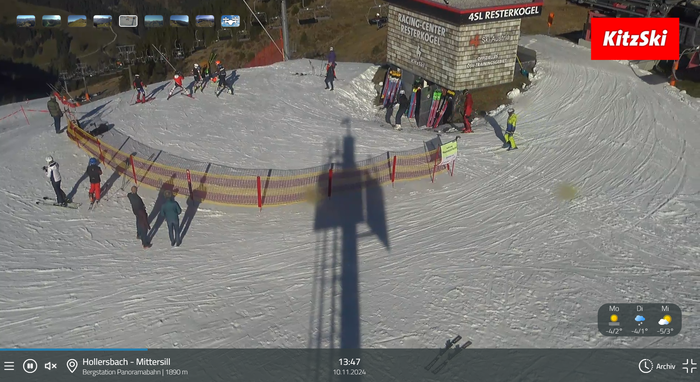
point(178, 83)
point(93, 172)
point(510, 130)
point(55, 178)
point(468, 106)
point(330, 75)
point(140, 88)
point(222, 79)
point(198, 79)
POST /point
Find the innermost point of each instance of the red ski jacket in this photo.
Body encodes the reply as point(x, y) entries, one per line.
point(178, 80)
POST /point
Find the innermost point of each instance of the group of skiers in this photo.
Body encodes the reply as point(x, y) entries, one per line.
point(330, 69)
point(200, 75)
point(467, 117)
point(170, 209)
point(92, 172)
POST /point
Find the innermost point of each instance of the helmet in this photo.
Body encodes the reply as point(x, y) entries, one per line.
point(136, 75)
point(511, 111)
point(92, 161)
point(402, 91)
point(331, 49)
point(196, 65)
point(218, 62)
point(49, 159)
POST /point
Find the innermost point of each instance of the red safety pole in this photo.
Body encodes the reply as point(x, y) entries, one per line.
point(259, 193)
point(330, 180)
point(25, 115)
point(393, 172)
point(133, 169)
point(189, 184)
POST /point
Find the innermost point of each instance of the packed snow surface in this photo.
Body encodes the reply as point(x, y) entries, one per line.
point(491, 253)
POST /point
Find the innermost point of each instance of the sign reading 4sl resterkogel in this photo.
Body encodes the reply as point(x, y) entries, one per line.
point(503, 13)
point(635, 38)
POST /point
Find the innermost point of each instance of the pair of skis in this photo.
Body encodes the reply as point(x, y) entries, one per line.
point(411, 112)
point(437, 94)
point(448, 345)
point(49, 202)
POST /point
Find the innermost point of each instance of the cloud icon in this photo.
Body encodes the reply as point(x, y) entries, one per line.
point(663, 322)
point(639, 318)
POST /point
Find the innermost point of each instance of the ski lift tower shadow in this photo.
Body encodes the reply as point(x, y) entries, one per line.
point(348, 199)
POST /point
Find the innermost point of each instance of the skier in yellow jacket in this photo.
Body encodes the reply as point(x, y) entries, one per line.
point(510, 130)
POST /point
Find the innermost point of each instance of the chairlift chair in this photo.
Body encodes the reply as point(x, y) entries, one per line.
point(178, 52)
point(323, 12)
point(223, 34)
point(199, 43)
point(306, 15)
point(243, 32)
point(259, 15)
point(275, 22)
point(378, 14)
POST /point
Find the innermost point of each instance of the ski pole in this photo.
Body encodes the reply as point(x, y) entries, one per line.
point(132, 98)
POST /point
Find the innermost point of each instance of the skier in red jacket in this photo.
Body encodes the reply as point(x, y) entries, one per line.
point(468, 102)
point(178, 83)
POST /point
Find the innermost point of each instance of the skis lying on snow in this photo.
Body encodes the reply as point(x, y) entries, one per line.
point(456, 351)
point(49, 202)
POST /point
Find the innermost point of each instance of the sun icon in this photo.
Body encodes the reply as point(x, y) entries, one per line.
point(613, 318)
point(667, 318)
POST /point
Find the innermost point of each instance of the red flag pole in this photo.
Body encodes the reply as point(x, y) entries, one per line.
point(393, 172)
point(330, 180)
point(189, 184)
point(133, 169)
point(259, 185)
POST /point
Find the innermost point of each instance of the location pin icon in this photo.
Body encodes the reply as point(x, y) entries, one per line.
point(72, 365)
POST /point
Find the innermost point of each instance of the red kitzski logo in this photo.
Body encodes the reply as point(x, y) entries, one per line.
point(634, 39)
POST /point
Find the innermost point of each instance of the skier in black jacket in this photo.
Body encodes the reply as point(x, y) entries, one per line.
point(139, 210)
point(403, 106)
point(93, 172)
point(222, 79)
point(330, 75)
point(198, 79)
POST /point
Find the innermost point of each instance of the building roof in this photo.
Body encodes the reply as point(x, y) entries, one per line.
point(475, 4)
point(459, 11)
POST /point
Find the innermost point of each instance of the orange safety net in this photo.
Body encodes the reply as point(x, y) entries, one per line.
point(245, 187)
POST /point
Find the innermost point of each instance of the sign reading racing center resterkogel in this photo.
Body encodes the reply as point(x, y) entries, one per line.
point(506, 13)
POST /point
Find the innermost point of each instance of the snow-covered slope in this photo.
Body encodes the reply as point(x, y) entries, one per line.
point(489, 254)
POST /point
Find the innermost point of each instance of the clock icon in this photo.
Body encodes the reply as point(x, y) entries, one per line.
point(646, 366)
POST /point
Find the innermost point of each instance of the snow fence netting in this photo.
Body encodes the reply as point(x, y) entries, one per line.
point(213, 183)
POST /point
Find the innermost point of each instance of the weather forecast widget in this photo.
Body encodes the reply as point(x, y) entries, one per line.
point(639, 320)
point(230, 21)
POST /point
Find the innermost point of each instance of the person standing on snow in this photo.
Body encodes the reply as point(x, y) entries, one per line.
point(331, 57)
point(55, 177)
point(198, 79)
point(330, 74)
point(510, 130)
point(403, 106)
point(93, 172)
point(221, 71)
point(56, 113)
point(140, 88)
point(468, 109)
point(171, 211)
point(139, 210)
point(178, 83)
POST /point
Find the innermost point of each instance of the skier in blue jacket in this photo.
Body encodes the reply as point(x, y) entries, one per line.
point(171, 212)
